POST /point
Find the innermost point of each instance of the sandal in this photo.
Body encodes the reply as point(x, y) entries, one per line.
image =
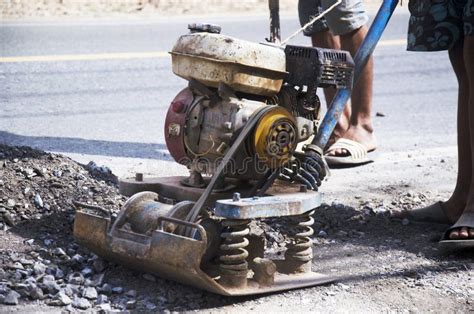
point(466, 220)
point(357, 154)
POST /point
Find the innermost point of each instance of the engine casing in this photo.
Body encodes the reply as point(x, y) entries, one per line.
point(199, 131)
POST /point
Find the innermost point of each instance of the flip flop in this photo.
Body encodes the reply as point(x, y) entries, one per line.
point(466, 220)
point(434, 213)
point(357, 154)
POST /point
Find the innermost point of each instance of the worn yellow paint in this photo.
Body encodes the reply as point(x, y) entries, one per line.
point(128, 55)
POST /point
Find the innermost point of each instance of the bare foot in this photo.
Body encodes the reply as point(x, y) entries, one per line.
point(341, 127)
point(454, 207)
point(338, 132)
point(462, 233)
point(358, 133)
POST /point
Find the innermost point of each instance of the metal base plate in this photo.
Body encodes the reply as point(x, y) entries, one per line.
point(172, 257)
point(282, 283)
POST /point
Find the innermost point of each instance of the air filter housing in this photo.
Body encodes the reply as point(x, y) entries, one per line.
point(312, 66)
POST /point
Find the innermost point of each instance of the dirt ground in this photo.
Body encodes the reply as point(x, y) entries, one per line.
point(380, 264)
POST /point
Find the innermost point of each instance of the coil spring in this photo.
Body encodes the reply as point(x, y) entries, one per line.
point(234, 254)
point(300, 248)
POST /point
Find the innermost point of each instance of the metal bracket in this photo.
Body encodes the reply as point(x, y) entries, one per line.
point(268, 206)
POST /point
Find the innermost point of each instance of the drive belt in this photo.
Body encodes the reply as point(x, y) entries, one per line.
point(251, 123)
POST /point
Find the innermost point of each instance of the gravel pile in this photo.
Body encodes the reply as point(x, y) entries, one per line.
point(36, 193)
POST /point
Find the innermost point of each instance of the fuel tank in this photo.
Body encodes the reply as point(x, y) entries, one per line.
point(245, 66)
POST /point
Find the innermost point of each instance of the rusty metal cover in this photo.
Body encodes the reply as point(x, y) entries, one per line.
point(243, 65)
point(174, 126)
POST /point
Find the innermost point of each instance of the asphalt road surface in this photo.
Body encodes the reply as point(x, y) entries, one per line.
point(100, 90)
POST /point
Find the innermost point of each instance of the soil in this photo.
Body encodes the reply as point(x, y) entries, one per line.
point(381, 264)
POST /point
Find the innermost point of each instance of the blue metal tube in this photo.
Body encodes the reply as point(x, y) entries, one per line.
point(362, 56)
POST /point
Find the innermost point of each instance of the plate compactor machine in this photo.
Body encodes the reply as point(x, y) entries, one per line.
point(236, 127)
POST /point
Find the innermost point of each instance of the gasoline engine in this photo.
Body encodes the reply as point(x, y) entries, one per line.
point(231, 82)
point(236, 126)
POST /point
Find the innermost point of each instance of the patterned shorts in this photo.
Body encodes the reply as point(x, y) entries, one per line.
point(439, 24)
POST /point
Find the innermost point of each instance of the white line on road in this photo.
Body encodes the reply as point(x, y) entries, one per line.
point(126, 55)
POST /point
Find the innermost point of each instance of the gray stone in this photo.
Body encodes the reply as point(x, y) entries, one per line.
point(95, 281)
point(405, 221)
point(11, 298)
point(59, 274)
point(30, 241)
point(36, 293)
point(39, 268)
point(87, 272)
point(131, 304)
point(131, 293)
point(102, 298)
point(117, 290)
point(26, 261)
point(4, 289)
point(89, 293)
point(322, 234)
point(38, 201)
point(30, 280)
point(99, 265)
point(17, 265)
point(106, 289)
point(8, 219)
point(105, 307)
point(11, 203)
point(149, 277)
point(18, 275)
point(59, 252)
point(81, 303)
point(50, 284)
point(48, 278)
point(77, 258)
point(150, 306)
point(70, 290)
point(57, 173)
point(48, 242)
point(76, 278)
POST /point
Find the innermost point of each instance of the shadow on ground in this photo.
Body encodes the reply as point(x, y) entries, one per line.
point(88, 147)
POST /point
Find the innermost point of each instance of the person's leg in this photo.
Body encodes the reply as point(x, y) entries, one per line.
point(349, 21)
point(361, 127)
point(456, 203)
point(324, 39)
point(465, 184)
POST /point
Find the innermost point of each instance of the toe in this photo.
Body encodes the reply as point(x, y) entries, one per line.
point(471, 233)
point(454, 234)
point(464, 233)
point(342, 152)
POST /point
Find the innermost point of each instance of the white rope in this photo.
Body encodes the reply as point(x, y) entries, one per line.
point(318, 17)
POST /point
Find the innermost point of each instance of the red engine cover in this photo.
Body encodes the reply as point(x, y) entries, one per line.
point(174, 126)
